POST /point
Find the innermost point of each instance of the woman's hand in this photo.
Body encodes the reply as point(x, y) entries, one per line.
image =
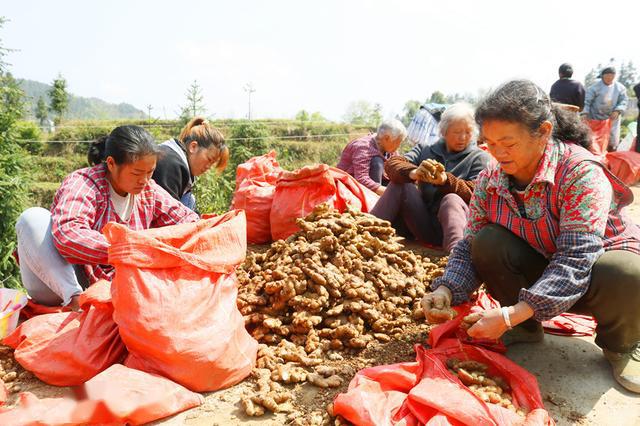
point(430, 171)
point(488, 325)
point(380, 190)
point(438, 300)
point(74, 304)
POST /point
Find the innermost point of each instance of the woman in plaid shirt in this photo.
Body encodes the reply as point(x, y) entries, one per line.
point(63, 251)
point(547, 233)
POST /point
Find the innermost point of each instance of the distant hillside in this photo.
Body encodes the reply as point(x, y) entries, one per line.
point(79, 108)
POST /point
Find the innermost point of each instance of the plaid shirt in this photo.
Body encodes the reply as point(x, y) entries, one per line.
point(356, 159)
point(572, 215)
point(82, 207)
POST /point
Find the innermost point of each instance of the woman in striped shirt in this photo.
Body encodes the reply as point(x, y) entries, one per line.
point(547, 233)
point(62, 251)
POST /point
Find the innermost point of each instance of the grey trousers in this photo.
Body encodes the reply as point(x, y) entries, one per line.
point(506, 263)
point(48, 278)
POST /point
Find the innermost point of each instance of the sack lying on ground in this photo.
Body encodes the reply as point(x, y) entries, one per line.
point(426, 392)
point(625, 165)
point(255, 198)
point(263, 168)
point(174, 298)
point(69, 348)
point(298, 192)
point(255, 188)
point(118, 395)
point(568, 324)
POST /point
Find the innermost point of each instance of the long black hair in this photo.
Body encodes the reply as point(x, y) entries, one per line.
point(125, 144)
point(522, 101)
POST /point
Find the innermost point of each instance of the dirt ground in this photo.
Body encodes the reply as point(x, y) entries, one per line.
point(574, 379)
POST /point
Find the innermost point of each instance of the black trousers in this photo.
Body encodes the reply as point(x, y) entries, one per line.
point(507, 263)
point(638, 132)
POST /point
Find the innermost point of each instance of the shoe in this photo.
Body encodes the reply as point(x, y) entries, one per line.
point(519, 334)
point(626, 367)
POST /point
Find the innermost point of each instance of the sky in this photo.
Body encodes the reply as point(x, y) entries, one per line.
point(312, 55)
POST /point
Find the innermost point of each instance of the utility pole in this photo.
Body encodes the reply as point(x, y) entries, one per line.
point(149, 108)
point(249, 89)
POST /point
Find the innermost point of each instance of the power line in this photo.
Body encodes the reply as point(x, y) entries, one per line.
point(227, 140)
point(230, 122)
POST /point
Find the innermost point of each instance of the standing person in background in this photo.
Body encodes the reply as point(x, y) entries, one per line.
point(636, 90)
point(199, 147)
point(364, 158)
point(567, 91)
point(606, 100)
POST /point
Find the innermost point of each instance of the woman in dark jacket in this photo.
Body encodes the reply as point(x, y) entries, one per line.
point(199, 147)
point(435, 210)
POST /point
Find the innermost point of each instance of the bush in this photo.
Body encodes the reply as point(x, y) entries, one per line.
point(14, 177)
point(247, 139)
point(29, 131)
point(215, 190)
point(41, 194)
point(54, 169)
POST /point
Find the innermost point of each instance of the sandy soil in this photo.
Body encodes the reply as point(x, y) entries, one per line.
point(574, 379)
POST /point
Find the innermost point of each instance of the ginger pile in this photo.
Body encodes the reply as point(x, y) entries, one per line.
point(491, 389)
point(339, 284)
point(11, 373)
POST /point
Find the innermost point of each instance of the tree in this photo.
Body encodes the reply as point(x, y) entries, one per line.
point(14, 173)
point(592, 76)
point(302, 115)
point(195, 101)
point(59, 97)
point(628, 76)
point(42, 113)
point(438, 97)
point(316, 116)
point(376, 115)
point(410, 109)
point(362, 113)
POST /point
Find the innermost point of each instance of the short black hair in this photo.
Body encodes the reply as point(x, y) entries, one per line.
point(608, 70)
point(565, 70)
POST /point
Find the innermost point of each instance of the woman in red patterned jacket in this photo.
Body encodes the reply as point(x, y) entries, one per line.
point(547, 232)
point(63, 251)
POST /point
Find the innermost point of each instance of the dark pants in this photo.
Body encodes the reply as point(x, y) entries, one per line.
point(376, 170)
point(403, 206)
point(506, 263)
point(638, 133)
